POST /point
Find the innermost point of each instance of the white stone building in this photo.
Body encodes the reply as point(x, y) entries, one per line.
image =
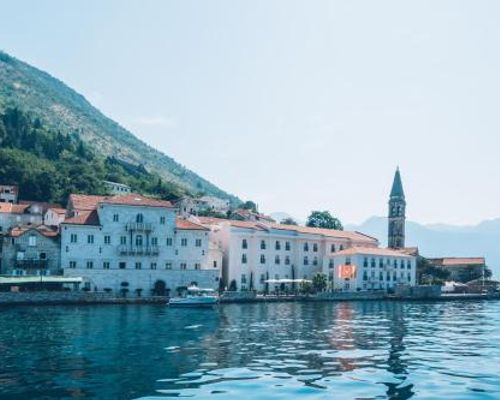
point(54, 216)
point(254, 252)
point(12, 215)
point(115, 188)
point(9, 194)
point(371, 268)
point(132, 243)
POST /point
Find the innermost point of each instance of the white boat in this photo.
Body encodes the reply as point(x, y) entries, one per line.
point(195, 297)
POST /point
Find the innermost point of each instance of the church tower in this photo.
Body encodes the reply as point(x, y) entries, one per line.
point(397, 214)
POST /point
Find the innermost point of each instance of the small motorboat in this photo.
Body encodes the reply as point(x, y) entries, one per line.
point(195, 297)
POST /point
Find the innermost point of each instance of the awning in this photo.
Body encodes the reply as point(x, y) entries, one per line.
point(19, 280)
point(278, 281)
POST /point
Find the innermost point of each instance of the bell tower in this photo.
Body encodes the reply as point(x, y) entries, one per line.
point(397, 214)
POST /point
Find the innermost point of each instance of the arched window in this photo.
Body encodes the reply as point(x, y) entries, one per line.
point(139, 218)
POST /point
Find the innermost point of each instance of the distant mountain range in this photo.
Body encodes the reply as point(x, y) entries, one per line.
point(60, 108)
point(436, 240)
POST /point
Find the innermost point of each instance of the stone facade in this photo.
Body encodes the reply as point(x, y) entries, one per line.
point(397, 214)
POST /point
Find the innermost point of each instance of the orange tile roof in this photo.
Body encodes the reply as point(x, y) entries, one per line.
point(458, 261)
point(13, 208)
point(134, 199)
point(85, 202)
point(356, 236)
point(42, 229)
point(184, 224)
point(58, 210)
point(372, 251)
point(85, 218)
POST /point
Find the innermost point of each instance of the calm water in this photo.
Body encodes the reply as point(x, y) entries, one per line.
point(364, 350)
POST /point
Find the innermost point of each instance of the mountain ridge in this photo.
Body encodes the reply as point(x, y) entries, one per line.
point(62, 108)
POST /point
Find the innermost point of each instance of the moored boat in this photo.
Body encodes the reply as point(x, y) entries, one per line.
point(195, 297)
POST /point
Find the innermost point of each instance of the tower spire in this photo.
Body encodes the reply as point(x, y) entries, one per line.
point(397, 213)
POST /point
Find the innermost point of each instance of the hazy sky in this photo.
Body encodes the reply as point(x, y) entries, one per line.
point(296, 105)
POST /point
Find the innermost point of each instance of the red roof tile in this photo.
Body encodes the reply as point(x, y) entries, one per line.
point(457, 261)
point(85, 218)
point(85, 202)
point(42, 229)
point(184, 224)
point(372, 251)
point(134, 199)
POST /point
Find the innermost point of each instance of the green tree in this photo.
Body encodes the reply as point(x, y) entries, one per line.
point(288, 221)
point(319, 282)
point(323, 219)
point(305, 287)
point(249, 205)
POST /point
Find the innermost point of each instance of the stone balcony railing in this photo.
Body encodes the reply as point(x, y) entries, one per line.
point(138, 250)
point(139, 226)
point(31, 264)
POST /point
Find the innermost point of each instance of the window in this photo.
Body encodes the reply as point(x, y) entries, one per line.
point(197, 266)
point(263, 244)
point(315, 247)
point(138, 265)
point(306, 246)
point(395, 263)
point(139, 218)
point(372, 263)
point(138, 240)
point(277, 245)
point(43, 256)
point(123, 240)
point(277, 260)
point(184, 242)
point(154, 241)
point(315, 261)
point(243, 258)
point(122, 265)
point(153, 265)
point(262, 278)
point(262, 259)
point(348, 261)
point(183, 266)
point(198, 243)
point(244, 244)
point(332, 248)
point(107, 239)
point(365, 262)
point(162, 220)
point(381, 276)
point(341, 247)
point(287, 246)
point(215, 264)
point(243, 279)
point(168, 265)
point(90, 239)
point(408, 264)
point(90, 264)
point(330, 263)
point(169, 241)
point(306, 261)
point(32, 241)
point(365, 275)
point(115, 218)
point(380, 262)
point(105, 265)
point(72, 264)
point(287, 260)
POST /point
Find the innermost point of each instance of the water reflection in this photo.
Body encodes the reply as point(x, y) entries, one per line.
point(366, 350)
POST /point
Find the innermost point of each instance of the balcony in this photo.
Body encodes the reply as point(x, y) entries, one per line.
point(139, 251)
point(31, 264)
point(139, 227)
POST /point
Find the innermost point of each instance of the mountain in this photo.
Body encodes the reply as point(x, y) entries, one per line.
point(62, 109)
point(437, 240)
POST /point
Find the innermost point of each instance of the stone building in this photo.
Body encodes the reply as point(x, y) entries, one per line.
point(9, 194)
point(134, 243)
point(31, 250)
point(115, 188)
point(12, 215)
point(461, 269)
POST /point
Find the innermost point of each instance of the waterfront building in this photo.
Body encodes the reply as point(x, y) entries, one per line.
point(31, 250)
point(255, 252)
point(371, 268)
point(9, 194)
point(188, 205)
point(461, 269)
point(54, 216)
point(115, 188)
point(135, 243)
point(12, 215)
point(397, 214)
point(249, 215)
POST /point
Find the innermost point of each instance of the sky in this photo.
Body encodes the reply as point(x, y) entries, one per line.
point(297, 105)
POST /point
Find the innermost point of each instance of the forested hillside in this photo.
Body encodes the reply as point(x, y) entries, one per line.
point(48, 165)
point(60, 109)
